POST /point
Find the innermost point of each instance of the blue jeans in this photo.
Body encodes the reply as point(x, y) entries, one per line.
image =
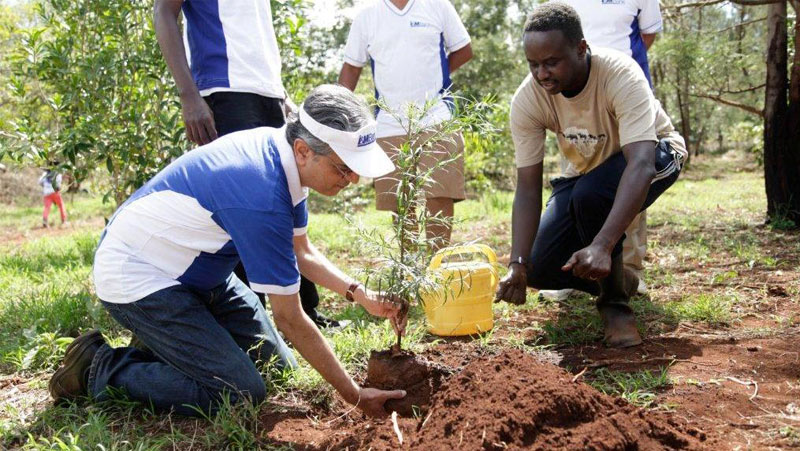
point(203, 345)
point(577, 210)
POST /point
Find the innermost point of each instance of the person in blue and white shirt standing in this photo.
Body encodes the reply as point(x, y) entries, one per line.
point(163, 268)
point(227, 68)
point(628, 26)
point(412, 47)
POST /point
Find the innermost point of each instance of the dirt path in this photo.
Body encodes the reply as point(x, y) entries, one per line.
point(740, 391)
point(14, 237)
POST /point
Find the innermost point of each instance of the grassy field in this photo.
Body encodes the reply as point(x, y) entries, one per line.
point(713, 269)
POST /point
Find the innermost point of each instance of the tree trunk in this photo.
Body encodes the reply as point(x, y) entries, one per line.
point(683, 107)
point(740, 32)
point(701, 136)
point(781, 121)
point(682, 91)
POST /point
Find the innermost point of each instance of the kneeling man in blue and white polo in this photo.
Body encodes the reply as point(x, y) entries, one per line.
point(164, 266)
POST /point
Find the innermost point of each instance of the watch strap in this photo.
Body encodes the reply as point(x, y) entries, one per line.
point(351, 291)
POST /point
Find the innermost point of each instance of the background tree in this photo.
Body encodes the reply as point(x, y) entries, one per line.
point(92, 91)
point(715, 52)
point(84, 82)
point(12, 19)
point(782, 116)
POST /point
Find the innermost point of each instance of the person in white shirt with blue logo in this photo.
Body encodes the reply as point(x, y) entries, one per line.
point(412, 47)
point(163, 268)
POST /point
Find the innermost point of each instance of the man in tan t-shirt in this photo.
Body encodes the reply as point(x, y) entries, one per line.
point(623, 152)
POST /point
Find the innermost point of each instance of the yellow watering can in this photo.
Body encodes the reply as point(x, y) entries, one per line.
point(463, 306)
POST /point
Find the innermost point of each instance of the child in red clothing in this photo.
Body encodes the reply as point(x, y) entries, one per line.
point(51, 192)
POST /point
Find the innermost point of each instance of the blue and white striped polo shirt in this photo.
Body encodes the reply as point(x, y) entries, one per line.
point(231, 46)
point(238, 197)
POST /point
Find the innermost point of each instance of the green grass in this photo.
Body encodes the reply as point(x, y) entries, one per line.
point(79, 207)
point(576, 322)
point(46, 292)
point(791, 434)
point(638, 388)
point(728, 201)
point(708, 308)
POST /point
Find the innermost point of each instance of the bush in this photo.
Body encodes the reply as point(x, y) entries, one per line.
point(489, 157)
point(92, 90)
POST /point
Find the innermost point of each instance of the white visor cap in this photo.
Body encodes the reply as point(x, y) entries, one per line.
point(358, 150)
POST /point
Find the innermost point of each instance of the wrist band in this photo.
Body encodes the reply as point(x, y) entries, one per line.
point(351, 290)
point(520, 261)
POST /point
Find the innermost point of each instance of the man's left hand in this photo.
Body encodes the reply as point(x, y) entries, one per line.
point(592, 263)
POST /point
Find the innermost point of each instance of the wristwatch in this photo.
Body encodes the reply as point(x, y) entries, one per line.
point(351, 291)
point(519, 260)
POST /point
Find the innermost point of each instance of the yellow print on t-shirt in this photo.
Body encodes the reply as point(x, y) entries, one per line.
point(584, 142)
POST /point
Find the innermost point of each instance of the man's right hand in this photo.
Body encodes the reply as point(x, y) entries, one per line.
point(371, 400)
point(514, 285)
point(199, 120)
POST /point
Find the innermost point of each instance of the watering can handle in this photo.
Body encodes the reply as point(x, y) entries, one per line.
point(460, 250)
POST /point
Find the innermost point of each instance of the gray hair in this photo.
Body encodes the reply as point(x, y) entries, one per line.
point(331, 105)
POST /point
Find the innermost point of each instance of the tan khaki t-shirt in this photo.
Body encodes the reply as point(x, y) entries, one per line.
point(615, 108)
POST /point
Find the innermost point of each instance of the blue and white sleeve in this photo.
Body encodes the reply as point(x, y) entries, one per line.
point(264, 241)
point(650, 21)
point(300, 218)
point(355, 50)
point(453, 30)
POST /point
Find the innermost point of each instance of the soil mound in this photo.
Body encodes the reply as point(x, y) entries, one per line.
point(407, 371)
point(513, 401)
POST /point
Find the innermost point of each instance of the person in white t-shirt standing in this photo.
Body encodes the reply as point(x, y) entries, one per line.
point(412, 47)
point(629, 26)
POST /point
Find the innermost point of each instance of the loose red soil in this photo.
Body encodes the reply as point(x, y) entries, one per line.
point(407, 371)
point(700, 398)
point(512, 400)
point(714, 382)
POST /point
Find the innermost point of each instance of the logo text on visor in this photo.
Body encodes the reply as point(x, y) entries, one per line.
point(365, 140)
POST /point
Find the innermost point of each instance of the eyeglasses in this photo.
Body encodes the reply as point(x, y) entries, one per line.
point(344, 171)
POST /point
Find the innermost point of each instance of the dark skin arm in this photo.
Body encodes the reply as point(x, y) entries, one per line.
point(459, 57)
point(594, 261)
point(197, 115)
point(349, 75)
point(525, 216)
point(648, 40)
